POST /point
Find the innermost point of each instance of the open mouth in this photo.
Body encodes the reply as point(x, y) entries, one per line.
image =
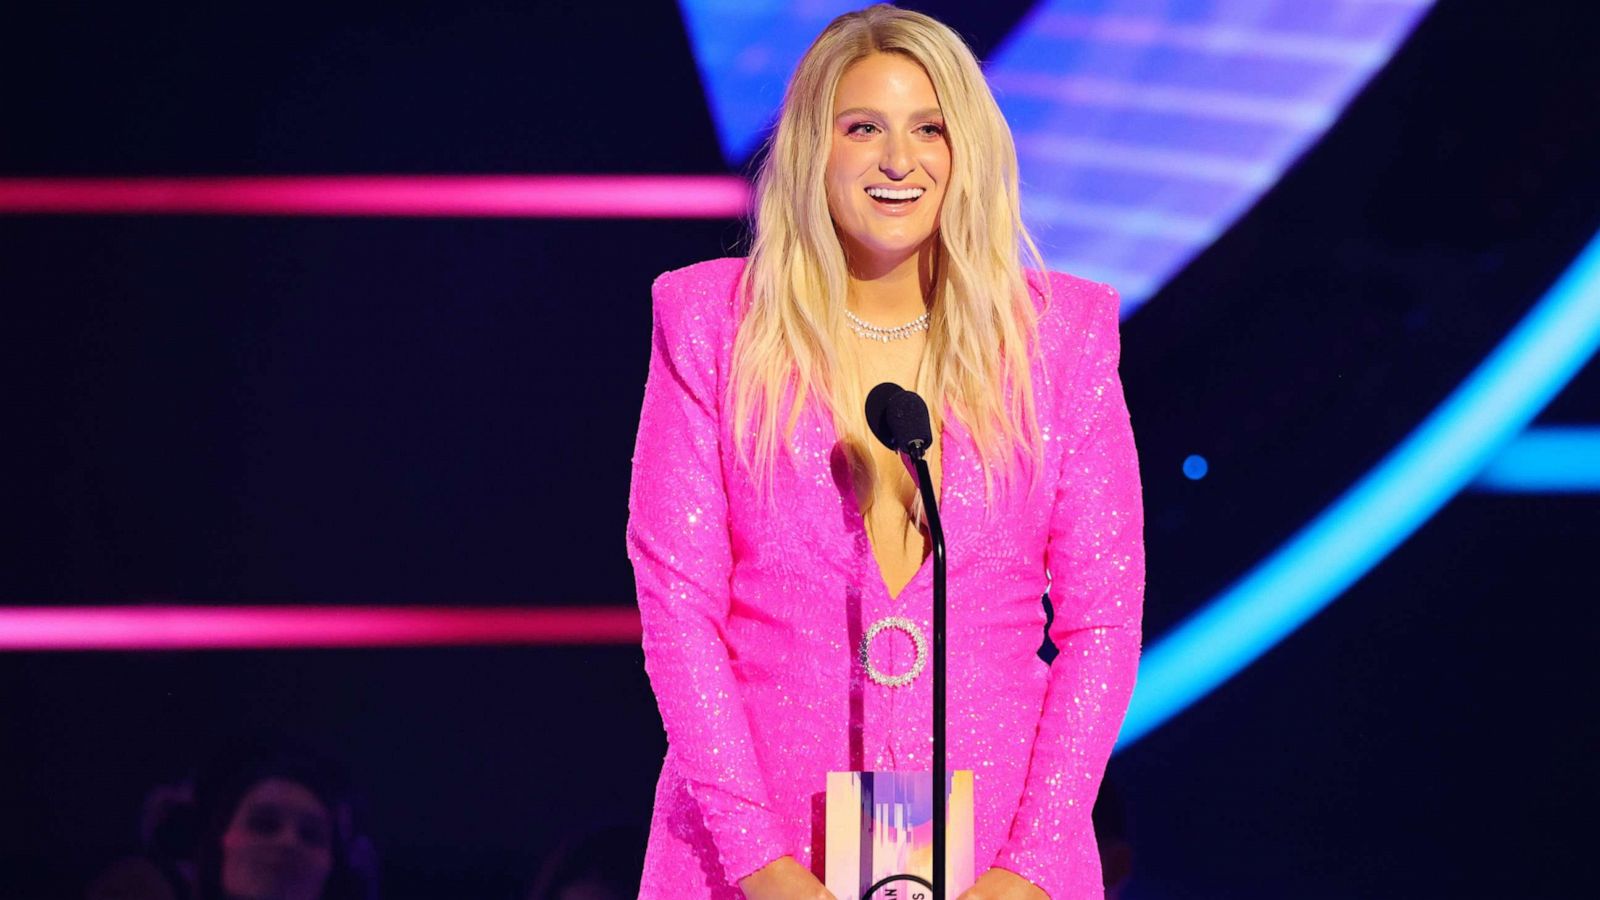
point(895, 197)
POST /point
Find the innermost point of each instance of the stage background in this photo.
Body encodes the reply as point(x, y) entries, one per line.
point(290, 410)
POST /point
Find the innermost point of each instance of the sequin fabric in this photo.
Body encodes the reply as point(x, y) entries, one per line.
point(752, 611)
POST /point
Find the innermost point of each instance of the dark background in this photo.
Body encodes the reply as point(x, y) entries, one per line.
point(218, 410)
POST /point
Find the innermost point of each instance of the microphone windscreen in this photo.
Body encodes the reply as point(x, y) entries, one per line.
point(908, 421)
point(878, 400)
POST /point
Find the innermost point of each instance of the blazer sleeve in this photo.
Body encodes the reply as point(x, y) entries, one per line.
point(678, 542)
point(1095, 559)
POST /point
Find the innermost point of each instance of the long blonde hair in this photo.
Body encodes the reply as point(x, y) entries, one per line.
point(983, 324)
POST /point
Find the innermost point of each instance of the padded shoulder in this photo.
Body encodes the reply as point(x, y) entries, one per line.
point(707, 288)
point(1078, 319)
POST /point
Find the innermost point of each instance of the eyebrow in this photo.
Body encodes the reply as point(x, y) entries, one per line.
point(931, 112)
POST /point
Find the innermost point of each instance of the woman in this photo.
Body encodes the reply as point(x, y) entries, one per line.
point(768, 530)
point(265, 820)
point(275, 824)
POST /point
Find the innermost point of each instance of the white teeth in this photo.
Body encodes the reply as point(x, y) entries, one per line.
point(892, 194)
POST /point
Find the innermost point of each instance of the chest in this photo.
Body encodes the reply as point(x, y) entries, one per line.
point(889, 499)
point(808, 521)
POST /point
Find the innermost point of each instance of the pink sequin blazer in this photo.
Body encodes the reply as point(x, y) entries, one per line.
point(752, 611)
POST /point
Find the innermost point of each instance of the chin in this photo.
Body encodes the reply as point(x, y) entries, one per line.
point(898, 240)
point(898, 248)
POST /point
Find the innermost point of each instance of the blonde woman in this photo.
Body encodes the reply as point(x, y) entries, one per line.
point(769, 531)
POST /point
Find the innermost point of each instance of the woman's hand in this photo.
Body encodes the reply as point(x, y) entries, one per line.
point(1003, 884)
point(784, 879)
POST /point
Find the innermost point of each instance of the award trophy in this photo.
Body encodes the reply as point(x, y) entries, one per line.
point(880, 835)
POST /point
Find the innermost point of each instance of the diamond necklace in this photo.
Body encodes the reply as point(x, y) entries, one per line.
point(878, 333)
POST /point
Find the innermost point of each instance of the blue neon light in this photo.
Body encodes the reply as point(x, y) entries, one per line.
point(1195, 467)
point(1433, 463)
point(1549, 460)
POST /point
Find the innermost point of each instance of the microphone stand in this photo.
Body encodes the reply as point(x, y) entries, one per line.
point(930, 506)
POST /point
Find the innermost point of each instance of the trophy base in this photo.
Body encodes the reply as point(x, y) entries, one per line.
point(880, 835)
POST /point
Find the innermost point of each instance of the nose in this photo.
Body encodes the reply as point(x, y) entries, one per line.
point(896, 162)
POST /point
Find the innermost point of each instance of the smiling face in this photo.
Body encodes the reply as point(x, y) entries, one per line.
point(889, 161)
point(279, 844)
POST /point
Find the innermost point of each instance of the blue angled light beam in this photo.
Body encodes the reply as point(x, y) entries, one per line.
point(1554, 459)
point(745, 51)
point(1442, 456)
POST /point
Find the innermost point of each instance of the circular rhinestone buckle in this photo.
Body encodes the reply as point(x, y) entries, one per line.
point(899, 623)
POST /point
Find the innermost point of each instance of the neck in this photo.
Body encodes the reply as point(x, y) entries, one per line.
point(890, 292)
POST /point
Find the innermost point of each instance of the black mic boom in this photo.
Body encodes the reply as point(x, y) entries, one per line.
point(900, 419)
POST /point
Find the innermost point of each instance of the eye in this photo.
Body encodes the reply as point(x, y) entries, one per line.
point(861, 128)
point(930, 129)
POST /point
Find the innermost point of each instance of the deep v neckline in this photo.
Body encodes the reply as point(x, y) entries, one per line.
point(865, 535)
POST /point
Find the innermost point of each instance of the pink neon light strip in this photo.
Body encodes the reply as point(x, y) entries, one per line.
point(525, 196)
point(282, 627)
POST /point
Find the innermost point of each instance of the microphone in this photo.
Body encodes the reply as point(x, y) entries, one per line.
point(899, 418)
